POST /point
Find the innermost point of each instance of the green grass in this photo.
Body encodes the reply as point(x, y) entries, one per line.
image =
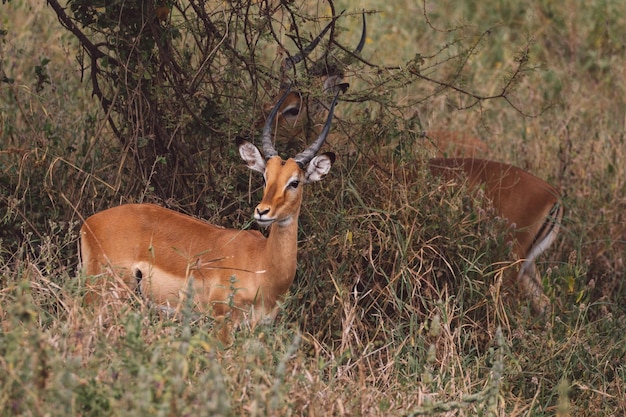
point(399, 306)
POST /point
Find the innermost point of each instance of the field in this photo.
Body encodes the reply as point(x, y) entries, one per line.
point(400, 305)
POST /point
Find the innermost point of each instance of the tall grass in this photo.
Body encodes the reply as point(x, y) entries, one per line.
point(400, 305)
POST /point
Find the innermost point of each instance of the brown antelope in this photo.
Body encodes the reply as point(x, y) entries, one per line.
point(299, 110)
point(166, 256)
point(531, 207)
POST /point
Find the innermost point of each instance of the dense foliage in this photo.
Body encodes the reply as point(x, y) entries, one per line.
point(400, 305)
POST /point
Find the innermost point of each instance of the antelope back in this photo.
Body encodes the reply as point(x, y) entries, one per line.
point(524, 200)
point(449, 143)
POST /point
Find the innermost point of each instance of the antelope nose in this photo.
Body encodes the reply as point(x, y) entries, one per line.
point(260, 211)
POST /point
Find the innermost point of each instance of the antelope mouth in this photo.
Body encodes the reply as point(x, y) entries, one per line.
point(264, 222)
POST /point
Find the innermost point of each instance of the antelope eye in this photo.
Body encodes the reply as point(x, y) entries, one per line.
point(294, 184)
point(291, 111)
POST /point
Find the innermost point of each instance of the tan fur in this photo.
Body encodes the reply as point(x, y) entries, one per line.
point(524, 200)
point(448, 143)
point(527, 202)
point(298, 113)
point(227, 267)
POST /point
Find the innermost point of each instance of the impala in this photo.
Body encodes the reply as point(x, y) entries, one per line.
point(166, 256)
point(531, 207)
point(298, 110)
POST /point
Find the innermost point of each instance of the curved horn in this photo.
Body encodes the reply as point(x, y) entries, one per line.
point(266, 138)
point(293, 60)
point(359, 47)
point(306, 155)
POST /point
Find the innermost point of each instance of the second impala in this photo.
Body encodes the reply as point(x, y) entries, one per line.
point(531, 206)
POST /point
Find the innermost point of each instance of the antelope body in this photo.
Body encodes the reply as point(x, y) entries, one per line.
point(167, 256)
point(531, 207)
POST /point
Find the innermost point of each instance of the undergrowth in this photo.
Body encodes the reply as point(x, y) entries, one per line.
point(401, 304)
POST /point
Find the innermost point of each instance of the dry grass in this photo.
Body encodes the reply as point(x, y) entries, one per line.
point(399, 306)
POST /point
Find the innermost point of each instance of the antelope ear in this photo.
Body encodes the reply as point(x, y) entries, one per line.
point(251, 155)
point(334, 83)
point(319, 167)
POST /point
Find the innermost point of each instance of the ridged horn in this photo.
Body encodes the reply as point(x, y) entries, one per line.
point(293, 60)
point(266, 138)
point(304, 157)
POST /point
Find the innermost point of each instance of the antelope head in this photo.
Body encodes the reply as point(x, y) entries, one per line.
point(296, 108)
point(284, 179)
